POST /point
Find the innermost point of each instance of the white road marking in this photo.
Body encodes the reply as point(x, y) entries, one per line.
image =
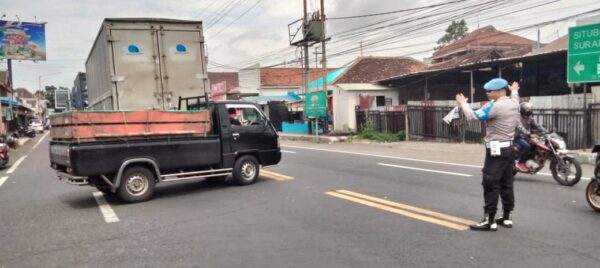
point(426, 170)
point(108, 213)
point(385, 156)
point(550, 175)
point(40, 141)
point(402, 158)
point(289, 152)
point(2, 180)
point(15, 165)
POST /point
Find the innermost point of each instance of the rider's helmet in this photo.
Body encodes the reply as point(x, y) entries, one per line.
point(526, 108)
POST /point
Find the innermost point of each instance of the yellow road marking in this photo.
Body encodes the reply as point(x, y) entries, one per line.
point(448, 224)
point(275, 176)
point(410, 208)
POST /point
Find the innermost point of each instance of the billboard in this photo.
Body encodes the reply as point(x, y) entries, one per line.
point(22, 40)
point(61, 99)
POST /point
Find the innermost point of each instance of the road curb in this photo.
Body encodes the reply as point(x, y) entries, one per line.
point(585, 158)
point(310, 138)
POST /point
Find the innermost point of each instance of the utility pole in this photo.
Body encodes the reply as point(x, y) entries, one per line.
point(361, 51)
point(323, 36)
point(324, 63)
point(306, 67)
point(12, 91)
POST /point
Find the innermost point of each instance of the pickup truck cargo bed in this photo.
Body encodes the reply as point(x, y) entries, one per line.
point(95, 125)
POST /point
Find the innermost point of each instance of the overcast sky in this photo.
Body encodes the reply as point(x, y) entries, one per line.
point(72, 26)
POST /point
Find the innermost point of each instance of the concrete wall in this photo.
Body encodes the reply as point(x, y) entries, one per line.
point(344, 103)
point(277, 91)
point(249, 80)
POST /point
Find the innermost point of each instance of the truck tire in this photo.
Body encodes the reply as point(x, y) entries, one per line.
point(245, 170)
point(137, 185)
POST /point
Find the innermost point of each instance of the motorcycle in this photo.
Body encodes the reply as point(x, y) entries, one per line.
point(22, 132)
point(565, 169)
point(4, 158)
point(592, 191)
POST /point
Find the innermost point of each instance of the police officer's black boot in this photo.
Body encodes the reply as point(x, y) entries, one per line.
point(487, 224)
point(506, 220)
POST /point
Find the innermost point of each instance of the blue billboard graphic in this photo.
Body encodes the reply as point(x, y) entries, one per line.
point(22, 40)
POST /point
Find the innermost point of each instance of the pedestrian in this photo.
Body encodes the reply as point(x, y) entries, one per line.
point(502, 117)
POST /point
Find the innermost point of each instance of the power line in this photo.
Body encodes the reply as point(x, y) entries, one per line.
point(233, 4)
point(393, 12)
point(236, 19)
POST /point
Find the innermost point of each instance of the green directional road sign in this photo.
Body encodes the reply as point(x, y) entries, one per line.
point(583, 63)
point(316, 104)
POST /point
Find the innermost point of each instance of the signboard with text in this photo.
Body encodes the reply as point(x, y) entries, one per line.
point(583, 64)
point(315, 104)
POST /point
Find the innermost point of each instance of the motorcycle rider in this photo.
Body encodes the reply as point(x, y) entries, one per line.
point(526, 125)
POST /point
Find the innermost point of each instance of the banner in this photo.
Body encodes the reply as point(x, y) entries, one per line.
point(218, 91)
point(22, 40)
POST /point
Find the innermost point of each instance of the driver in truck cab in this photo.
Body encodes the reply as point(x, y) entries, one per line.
point(232, 114)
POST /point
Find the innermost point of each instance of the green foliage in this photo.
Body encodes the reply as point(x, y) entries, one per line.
point(381, 137)
point(455, 31)
point(369, 133)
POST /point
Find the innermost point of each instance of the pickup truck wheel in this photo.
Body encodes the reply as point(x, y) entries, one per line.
point(245, 170)
point(137, 185)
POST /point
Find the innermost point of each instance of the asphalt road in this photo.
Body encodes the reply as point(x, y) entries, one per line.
point(322, 207)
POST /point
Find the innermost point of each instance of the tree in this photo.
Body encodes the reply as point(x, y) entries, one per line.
point(50, 96)
point(455, 31)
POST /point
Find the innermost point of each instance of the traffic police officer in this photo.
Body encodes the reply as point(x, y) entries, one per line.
point(502, 117)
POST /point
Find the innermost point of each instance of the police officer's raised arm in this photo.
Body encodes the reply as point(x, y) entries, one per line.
point(483, 114)
point(514, 92)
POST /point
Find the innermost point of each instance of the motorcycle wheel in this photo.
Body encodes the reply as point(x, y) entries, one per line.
point(567, 175)
point(592, 195)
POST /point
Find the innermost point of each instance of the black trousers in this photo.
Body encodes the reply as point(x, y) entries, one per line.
point(498, 181)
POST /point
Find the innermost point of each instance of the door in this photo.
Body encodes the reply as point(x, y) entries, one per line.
point(182, 65)
point(250, 130)
point(136, 69)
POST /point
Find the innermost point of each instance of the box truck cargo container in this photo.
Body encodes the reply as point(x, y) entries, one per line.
point(137, 64)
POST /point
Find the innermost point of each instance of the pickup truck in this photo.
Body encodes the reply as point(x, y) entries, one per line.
point(131, 167)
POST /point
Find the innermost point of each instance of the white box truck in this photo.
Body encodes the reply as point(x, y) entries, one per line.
point(146, 63)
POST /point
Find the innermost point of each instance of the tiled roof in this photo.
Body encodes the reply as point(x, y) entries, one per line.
point(287, 76)
point(559, 44)
point(230, 78)
point(479, 56)
point(371, 69)
point(24, 93)
point(484, 38)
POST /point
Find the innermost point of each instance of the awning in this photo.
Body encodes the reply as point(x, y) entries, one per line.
point(6, 101)
point(290, 97)
point(330, 78)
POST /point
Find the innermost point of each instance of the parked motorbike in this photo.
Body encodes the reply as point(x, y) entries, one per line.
point(26, 132)
point(592, 191)
point(565, 169)
point(4, 158)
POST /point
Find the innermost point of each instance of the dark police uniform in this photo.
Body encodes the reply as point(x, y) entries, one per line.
point(502, 117)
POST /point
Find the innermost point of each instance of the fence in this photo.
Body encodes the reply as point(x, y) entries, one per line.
point(383, 121)
point(426, 122)
point(579, 127)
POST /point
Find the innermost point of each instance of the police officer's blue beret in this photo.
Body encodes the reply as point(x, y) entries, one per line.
point(495, 84)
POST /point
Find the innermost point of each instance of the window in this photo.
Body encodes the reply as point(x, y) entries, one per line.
point(388, 102)
point(380, 100)
point(244, 116)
